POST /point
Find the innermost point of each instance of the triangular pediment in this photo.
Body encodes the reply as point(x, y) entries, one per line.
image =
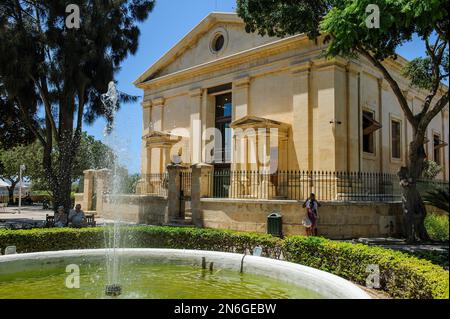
point(160, 139)
point(257, 122)
point(197, 47)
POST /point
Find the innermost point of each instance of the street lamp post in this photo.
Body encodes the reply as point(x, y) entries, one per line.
point(22, 168)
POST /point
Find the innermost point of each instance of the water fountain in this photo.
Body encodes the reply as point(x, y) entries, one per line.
point(161, 273)
point(113, 288)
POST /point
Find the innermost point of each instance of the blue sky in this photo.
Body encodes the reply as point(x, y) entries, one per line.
point(166, 25)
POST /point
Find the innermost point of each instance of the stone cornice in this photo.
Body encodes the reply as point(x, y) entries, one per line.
point(333, 63)
point(158, 101)
point(188, 40)
point(146, 104)
point(265, 50)
point(197, 92)
point(242, 82)
point(300, 67)
point(158, 139)
point(353, 67)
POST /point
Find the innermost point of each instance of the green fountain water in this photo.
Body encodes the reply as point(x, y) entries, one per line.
point(149, 281)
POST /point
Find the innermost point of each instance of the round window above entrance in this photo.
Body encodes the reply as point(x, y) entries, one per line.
point(218, 41)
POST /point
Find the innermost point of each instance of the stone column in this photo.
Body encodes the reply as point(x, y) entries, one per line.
point(302, 116)
point(353, 118)
point(241, 87)
point(173, 196)
point(201, 187)
point(147, 126)
point(156, 154)
point(195, 138)
point(263, 144)
point(103, 182)
point(88, 189)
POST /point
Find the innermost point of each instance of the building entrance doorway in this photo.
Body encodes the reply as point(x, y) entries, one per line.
point(223, 142)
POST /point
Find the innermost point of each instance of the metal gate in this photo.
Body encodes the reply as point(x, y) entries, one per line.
point(185, 192)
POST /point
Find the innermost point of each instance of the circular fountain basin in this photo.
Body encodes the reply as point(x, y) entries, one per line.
point(167, 273)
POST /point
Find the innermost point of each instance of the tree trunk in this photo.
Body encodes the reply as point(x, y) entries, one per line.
point(11, 192)
point(63, 186)
point(413, 206)
point(60, 171)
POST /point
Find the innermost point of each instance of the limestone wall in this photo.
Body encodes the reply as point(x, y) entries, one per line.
point(336, 221)
point(136, 209)
point(79, 198)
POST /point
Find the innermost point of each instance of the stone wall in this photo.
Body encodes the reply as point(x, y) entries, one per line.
point(79, 198)
point(139, 209)
point(336, 220)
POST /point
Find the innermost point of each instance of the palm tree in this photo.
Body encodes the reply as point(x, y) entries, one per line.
point(438, 197)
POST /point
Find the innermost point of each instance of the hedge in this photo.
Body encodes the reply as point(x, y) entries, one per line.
point(437, 226)
point(402, 276)
point(52, 239)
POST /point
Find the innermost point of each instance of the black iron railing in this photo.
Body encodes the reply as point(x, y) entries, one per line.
point(156, 184)
point(186, 183)
point(297, 185)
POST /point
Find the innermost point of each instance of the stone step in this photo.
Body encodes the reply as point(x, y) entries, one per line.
point(174, 224)
point(180, 222)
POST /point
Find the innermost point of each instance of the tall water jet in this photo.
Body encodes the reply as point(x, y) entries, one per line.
point(112, 235)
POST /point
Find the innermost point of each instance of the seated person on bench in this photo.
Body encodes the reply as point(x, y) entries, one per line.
point(60, 217)
point(77, 218)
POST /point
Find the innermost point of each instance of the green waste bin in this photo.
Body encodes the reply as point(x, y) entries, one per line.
point(274, 224)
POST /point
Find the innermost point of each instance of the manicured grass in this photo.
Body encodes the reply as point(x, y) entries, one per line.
point(401, 276)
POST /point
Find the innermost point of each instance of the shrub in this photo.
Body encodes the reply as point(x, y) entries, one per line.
point(438, 197)
point(52, 239)
point(402, 276)
point(437, 257)
point(437, 226)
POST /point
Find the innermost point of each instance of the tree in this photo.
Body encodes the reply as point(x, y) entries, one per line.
point(342, 24)
point(12, 130)
point(431, 169)
point(10, 161)
point(129, 183)
point(92, 154)
point(438, 197)
point(54, 75)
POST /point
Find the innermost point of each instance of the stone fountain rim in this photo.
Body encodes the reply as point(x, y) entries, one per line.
point(278, 269)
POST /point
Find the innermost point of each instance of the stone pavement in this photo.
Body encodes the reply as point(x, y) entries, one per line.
point(400, 244)
point(436, 252)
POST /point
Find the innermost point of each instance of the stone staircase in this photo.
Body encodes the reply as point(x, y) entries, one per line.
point(180, 222)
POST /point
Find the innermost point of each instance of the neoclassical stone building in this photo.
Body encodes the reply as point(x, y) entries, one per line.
point(318, 114)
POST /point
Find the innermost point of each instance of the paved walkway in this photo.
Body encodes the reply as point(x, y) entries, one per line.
point(29, 217)
point(400, 244)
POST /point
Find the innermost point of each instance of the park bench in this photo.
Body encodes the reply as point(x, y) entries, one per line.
point(90, 220)
point(50, 221)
